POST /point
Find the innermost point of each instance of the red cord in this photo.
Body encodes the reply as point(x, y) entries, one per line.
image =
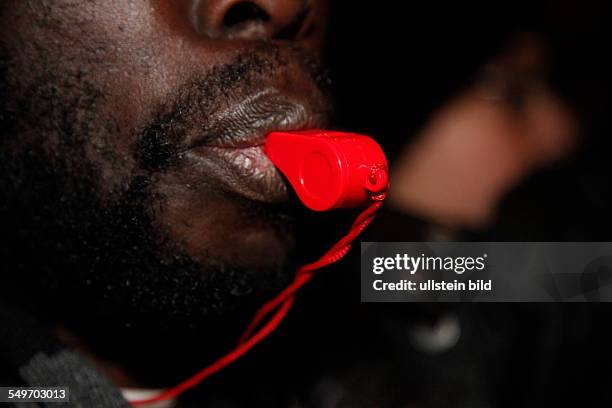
point(280, 305)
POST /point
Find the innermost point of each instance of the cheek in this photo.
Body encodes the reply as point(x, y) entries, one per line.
point(208, 225)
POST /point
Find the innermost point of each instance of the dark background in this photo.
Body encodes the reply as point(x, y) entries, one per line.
point(392, 65)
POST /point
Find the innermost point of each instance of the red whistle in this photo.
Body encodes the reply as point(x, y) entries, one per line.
point(329, 169)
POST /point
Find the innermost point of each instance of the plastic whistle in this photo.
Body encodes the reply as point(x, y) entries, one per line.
point(329, 169)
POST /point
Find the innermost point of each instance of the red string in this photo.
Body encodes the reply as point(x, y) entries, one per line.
point(277, 308)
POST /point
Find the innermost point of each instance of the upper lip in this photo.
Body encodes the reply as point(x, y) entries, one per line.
point(247, 122)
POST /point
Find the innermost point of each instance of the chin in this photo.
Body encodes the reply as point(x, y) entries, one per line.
point(229, 229)
point(254, 246)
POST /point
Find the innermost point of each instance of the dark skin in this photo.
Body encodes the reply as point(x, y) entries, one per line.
point(135, 186)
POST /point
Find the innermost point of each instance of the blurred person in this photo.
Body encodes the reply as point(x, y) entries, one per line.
point(497, 125)
point(485, 140)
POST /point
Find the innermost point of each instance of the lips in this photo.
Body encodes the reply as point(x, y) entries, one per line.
point(231, 143)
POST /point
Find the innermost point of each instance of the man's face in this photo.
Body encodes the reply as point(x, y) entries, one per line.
point(131, 149)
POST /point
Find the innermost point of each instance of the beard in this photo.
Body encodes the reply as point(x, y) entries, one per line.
point(96, 260)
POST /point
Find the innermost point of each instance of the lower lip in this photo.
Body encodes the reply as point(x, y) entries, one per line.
point(246, 171)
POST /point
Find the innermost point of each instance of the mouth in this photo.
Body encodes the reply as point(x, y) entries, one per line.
point(231, 142)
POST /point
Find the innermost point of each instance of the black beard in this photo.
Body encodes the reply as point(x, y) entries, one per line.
point(111, 278)
point(100, 267)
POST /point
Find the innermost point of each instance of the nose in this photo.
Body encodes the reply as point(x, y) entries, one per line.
point(253, 19)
